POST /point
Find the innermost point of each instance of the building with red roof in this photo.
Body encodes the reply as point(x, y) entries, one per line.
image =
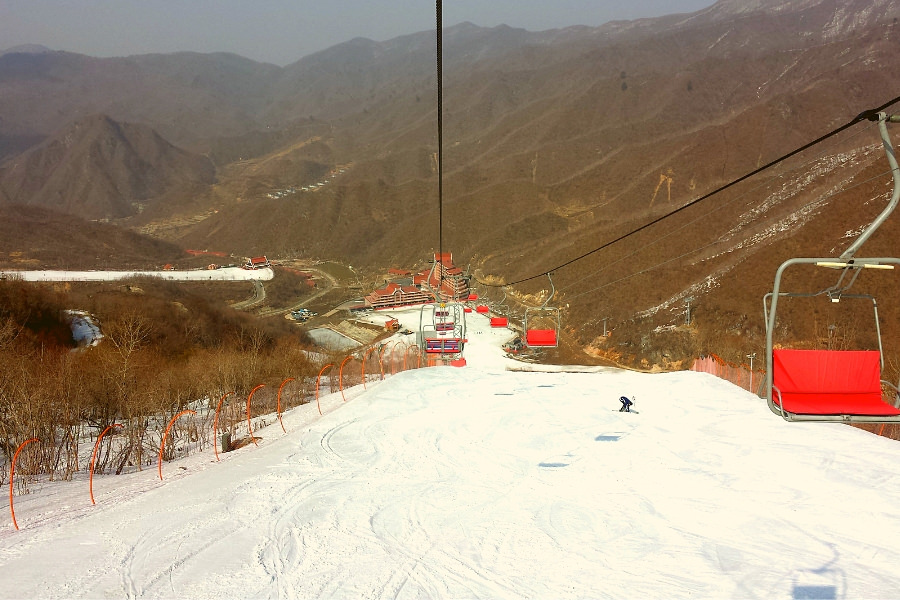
point(444, 281)
point(393, 295)
point(257, 262)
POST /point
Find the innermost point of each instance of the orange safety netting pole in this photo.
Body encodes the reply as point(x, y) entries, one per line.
point(318, 377)
point(341, 376)
point(278, 404)
point(12, 471)
point(249, 427)
point(162, 443)
point(381, 359)
point(216, 423)
point(94, 456)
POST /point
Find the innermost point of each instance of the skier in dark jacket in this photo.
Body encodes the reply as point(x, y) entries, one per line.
point(626, 404)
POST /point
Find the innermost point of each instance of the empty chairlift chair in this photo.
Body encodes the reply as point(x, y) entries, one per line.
point(834, 385)
point(442, 331)
point(501, 321)
point(542, 323)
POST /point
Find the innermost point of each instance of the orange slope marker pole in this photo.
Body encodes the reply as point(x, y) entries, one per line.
point(12, 471)
point(94, 458)
point(341, 376)
point(216, 424)
point(249, 428)
point(318, 378)
point(278, 404)
point(162, 443)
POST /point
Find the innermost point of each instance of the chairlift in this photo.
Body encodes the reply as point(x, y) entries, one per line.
point(442, 330)
point(834, 385)
point(542, 323)
point(502, 318)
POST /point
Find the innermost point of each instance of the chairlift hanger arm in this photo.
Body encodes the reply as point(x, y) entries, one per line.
point(552, 290)
point(882, 118)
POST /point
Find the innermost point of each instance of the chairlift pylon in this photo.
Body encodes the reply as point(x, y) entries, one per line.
point(834, 385)
point(542, 323)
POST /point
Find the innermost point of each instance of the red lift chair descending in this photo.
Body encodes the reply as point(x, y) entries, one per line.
point(834, 385)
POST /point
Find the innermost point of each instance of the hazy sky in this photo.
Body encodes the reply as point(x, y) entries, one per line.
point(282, 31)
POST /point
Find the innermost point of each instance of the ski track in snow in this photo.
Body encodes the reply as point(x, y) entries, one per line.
point(482, 482)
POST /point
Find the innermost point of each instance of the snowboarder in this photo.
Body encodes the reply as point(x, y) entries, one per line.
point(626, 404)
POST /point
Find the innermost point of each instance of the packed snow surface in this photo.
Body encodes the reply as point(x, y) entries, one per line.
point(487, 482)
point(221, 274)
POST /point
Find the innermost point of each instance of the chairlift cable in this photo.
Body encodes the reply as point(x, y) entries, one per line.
point(867, 115)
point(440, 136)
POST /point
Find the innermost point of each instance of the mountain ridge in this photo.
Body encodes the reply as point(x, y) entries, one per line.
point(99, 168)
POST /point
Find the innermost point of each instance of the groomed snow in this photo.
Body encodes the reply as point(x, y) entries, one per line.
point(222, 274)
point(483, 482)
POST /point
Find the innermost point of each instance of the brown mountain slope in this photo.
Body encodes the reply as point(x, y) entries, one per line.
point(33, 237)
point(97, 168)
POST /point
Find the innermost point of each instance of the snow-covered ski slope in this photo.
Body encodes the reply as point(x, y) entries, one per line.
point(221, 274)
point(483, 482)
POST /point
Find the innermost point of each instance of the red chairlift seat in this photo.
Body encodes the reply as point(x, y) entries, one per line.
point(482, 309)
point(829, 382)
point(541, 338)
point(834, 385)
point(442, 345)
point(499, 322)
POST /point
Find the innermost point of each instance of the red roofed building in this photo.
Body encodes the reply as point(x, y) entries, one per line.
point(257, 262)
point(393, 295)
point(446, 279)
